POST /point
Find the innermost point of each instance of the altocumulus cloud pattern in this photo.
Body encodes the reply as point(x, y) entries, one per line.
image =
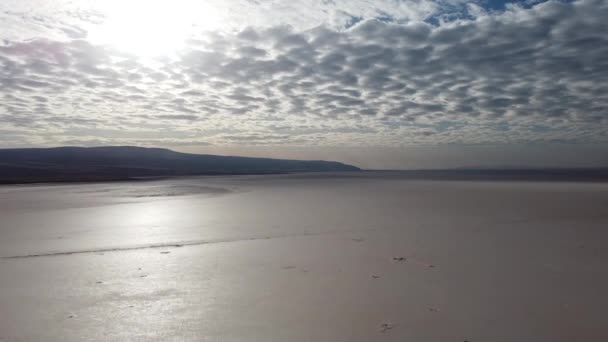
point(303, 73)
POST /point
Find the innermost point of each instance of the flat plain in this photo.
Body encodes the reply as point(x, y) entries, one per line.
point(304, 257)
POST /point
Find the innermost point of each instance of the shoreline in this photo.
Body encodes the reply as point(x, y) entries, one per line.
point(599, 175)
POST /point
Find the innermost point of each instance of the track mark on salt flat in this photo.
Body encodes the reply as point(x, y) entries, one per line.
point(100, 251)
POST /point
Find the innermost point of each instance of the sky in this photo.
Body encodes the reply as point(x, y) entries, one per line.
point(380, 84)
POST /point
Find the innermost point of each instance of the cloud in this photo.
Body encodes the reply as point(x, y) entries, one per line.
point(488, 77)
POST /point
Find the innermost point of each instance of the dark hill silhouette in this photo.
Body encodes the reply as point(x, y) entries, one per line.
point(29, 165)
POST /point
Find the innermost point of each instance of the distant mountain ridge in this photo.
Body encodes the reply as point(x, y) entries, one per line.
point(61, 164)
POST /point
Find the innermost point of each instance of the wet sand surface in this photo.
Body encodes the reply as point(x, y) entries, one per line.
point(304, 258)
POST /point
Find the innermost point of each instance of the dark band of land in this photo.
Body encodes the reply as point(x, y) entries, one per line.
point(122, 163)
point(115, 163)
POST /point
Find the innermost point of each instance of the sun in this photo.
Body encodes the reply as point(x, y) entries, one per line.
point(153, 27)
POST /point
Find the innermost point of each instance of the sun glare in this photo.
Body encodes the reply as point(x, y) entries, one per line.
point(153, 27)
